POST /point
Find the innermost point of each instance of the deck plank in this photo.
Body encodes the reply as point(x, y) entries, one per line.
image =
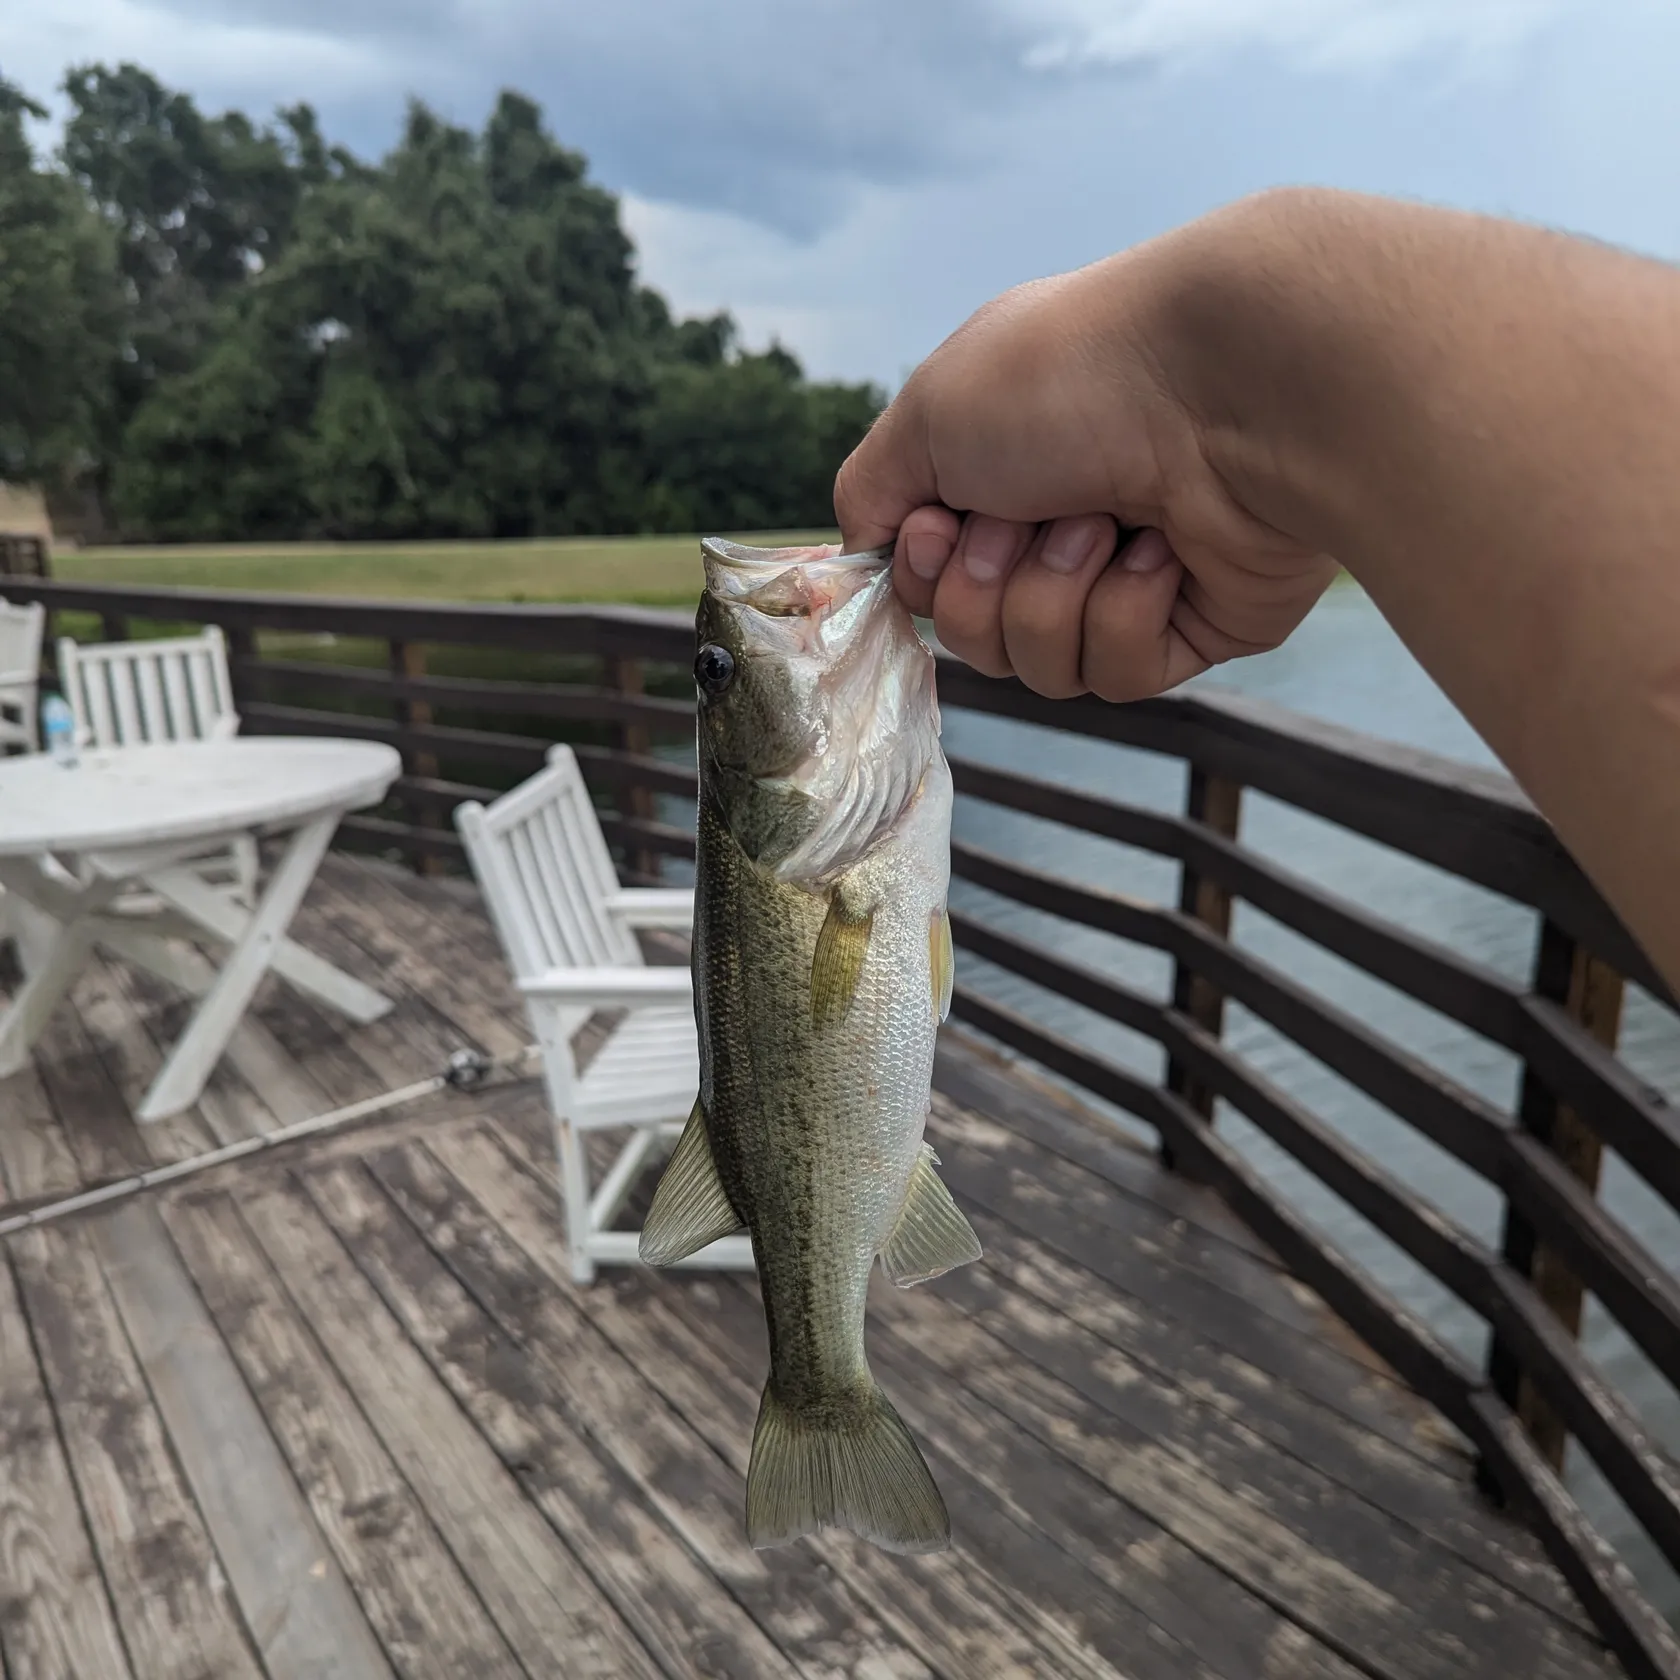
point(177, 1618)
point(56, 1621)
point(955, 1617)
point(36, 1159)
point(293, 1596)
point(545, 1605)
point(425, 1612)
point(1146, 1253)
point(1163, 1458)
point(697, 1330)
point(1019, 1273)
point(1359, 1581)
point(818, 1626)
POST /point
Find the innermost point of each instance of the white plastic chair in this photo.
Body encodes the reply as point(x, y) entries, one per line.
point(178, 688)
point(21, 631)
point(568, 929)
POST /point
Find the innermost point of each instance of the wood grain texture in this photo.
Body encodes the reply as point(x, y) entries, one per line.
point(291, 1594)
point(427, 1616)
point(56, 1621)
point(177, 1617)
point(541, 1599)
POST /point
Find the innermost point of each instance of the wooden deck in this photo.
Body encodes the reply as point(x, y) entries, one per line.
point(338, 1412)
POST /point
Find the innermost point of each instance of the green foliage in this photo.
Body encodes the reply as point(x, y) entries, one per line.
point(450, 342)
point(61, 313)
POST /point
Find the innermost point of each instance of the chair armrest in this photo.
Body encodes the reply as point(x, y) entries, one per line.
point(652, 907)
point(24, 678)
point(611, 988)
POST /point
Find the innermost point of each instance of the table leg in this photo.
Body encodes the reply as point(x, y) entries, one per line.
point(54, 967)
point(182, 1076)
point(216, 911)
point(56, 920)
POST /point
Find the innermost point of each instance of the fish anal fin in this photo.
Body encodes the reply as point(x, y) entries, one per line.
point(942, 963)
point(864, 1473)
point(837, 964)
point(932, 1235)
point(690, 1207)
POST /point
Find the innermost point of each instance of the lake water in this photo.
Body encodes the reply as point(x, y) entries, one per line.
point(1344, 664)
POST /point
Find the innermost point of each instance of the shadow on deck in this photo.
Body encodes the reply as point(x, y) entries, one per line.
point(337, 1411)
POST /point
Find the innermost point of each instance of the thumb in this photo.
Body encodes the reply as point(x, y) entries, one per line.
point(889, 474)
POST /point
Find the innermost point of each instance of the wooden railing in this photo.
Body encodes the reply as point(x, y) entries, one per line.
point(466, 735)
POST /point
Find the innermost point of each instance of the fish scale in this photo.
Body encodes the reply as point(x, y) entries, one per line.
point(820, 951)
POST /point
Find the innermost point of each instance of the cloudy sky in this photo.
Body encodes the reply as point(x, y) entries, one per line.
point(856, 175)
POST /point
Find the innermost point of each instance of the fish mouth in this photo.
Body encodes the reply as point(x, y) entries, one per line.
point(788, 582)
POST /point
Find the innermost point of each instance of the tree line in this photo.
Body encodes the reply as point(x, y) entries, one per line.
point(219, 329)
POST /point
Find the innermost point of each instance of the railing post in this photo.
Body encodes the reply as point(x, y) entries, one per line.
point(408, 659)
point(624, 673)
point(1216, 804)
point(113, 627)
point(1590, 991)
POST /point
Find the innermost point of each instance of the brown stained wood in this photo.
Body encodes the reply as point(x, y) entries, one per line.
point(177, 1618)
point(1217, 805)
point(952, 1615)
point(1590, 993)
point(1641, 1638)
point(1462, 1123)
point(294, 1600)
point(542, 1601)
point(571, 702)
point(55, 1619)
point(408, 670)
point(626, 677)
point(428, 1619)
point(1428, 971)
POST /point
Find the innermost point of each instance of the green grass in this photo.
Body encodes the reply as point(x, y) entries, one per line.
point(661, 571)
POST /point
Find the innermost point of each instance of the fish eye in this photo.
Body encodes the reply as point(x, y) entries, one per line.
point(713, 668)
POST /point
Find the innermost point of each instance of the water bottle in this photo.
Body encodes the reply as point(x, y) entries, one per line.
point(58, 728)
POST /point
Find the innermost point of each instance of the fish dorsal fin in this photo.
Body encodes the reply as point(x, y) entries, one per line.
point(837, 964)
point(942, 962)
point(690, 1207)
point(931, 1235)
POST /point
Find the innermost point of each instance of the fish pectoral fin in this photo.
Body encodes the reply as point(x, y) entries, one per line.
point(942, 962)
point(690, 1207)
point(837, 964)
point(932, 1235)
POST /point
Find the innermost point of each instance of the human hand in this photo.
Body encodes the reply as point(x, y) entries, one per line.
point(1046, 476)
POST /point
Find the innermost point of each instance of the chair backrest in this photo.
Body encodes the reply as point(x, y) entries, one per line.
point(544, 869)
point(21, 631)
point(125, 694)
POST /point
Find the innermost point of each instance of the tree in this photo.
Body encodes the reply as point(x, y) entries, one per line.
point(449, 342)
point(60, 312)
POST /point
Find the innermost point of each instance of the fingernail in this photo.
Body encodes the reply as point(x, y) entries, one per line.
point(925, 553)
point(1070, 544)
point(987, 547)
point(1148, 551)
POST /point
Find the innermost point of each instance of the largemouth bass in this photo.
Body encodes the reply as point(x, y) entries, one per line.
point(822, 968)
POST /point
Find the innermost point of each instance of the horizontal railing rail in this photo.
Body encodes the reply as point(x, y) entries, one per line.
point(612, 681)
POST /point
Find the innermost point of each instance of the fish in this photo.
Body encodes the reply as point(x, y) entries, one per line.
point(822, 963)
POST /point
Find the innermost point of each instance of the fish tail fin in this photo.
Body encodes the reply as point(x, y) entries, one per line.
point(865, 1473)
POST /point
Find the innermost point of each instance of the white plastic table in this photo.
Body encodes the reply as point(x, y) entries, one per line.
point(75, 840)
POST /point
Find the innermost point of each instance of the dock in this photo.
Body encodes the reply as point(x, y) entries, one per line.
point(339, 1411)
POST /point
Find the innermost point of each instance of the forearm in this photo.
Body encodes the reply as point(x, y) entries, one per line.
point(1482, 422)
